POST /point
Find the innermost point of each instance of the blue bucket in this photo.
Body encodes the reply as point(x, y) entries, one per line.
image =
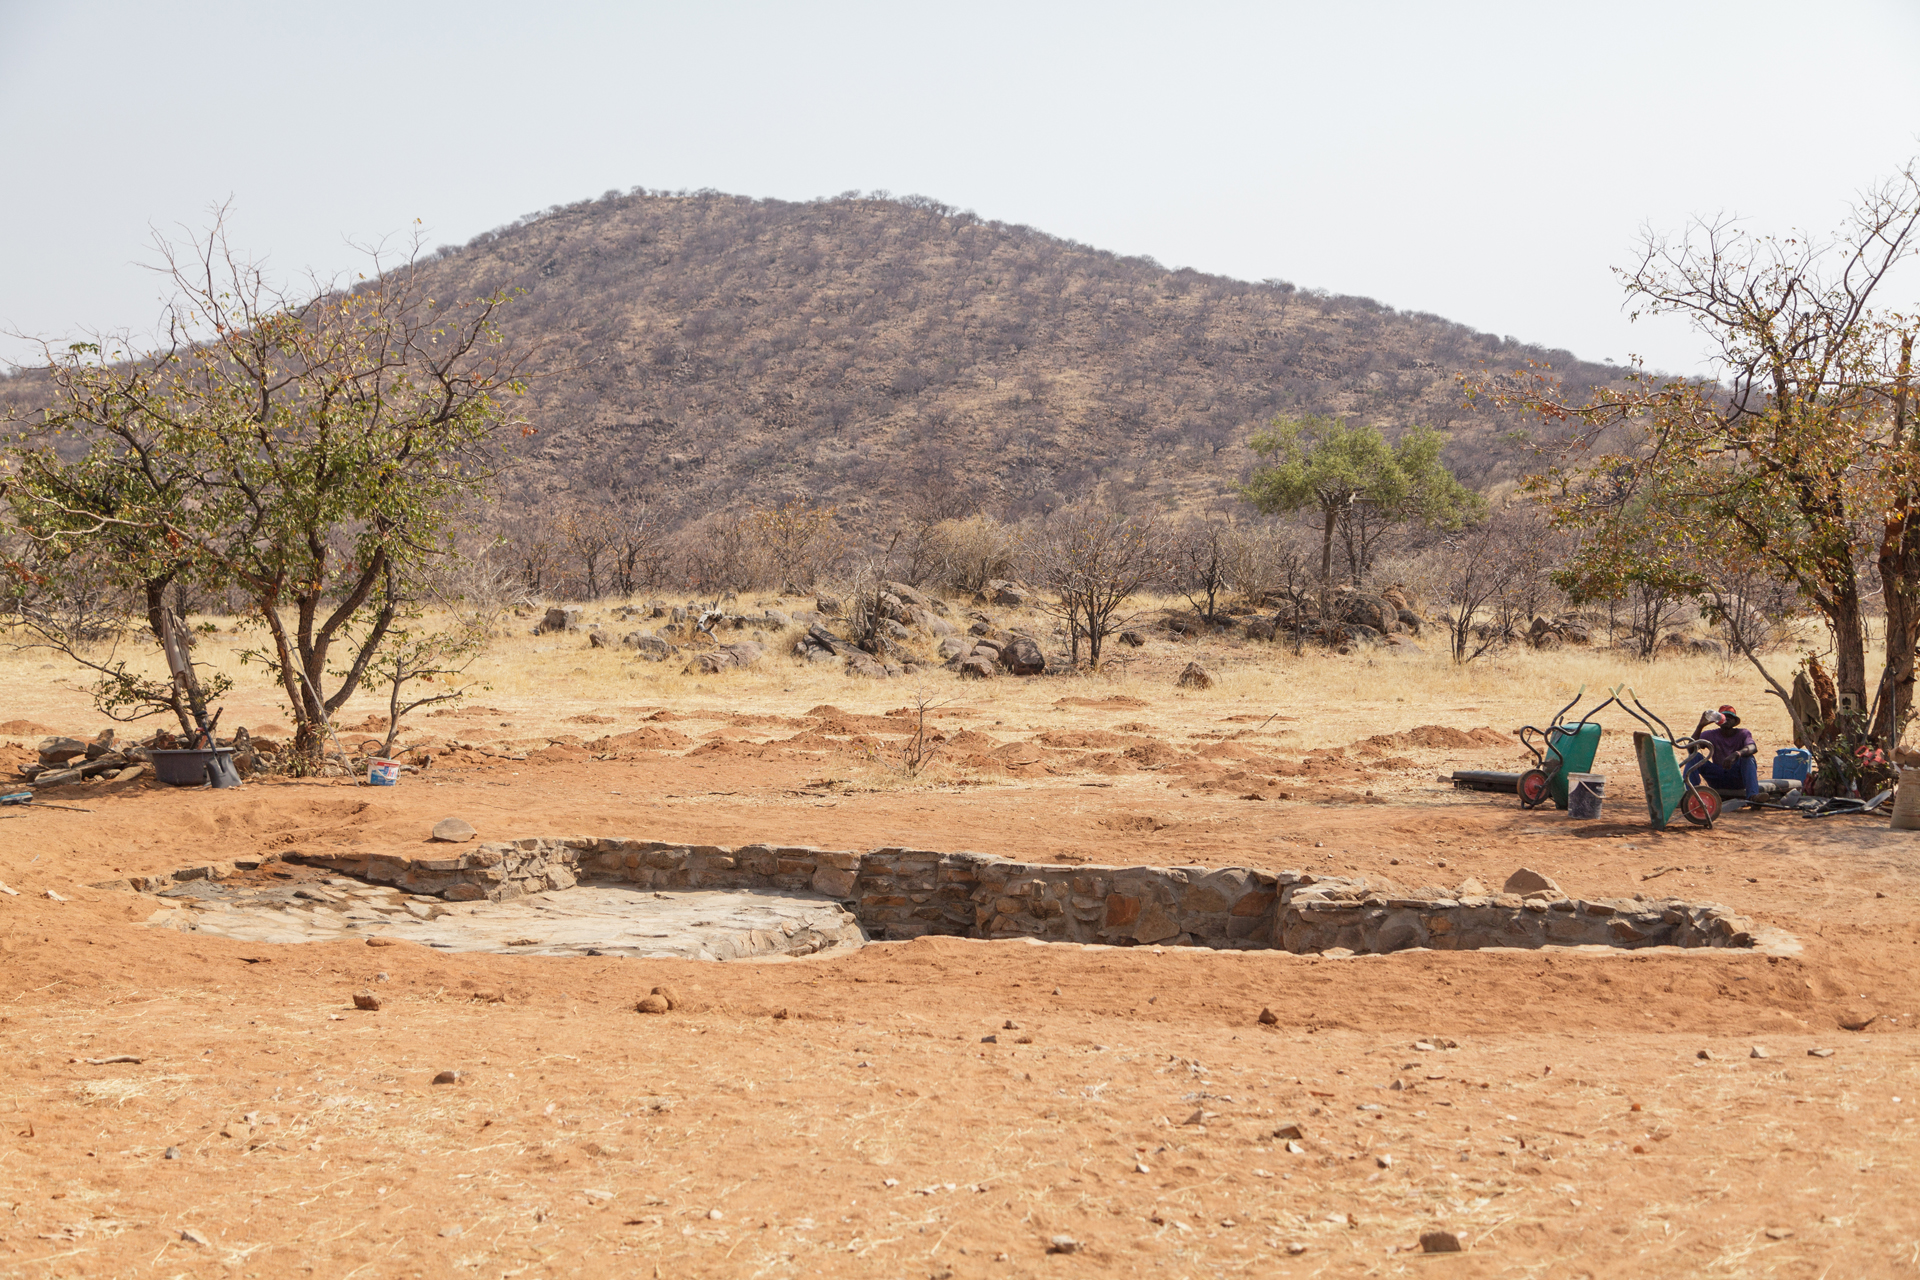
point(1790, 764)
point(383, 773)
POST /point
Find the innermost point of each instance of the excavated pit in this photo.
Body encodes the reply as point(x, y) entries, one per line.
point(613, 896)
point(282, 903)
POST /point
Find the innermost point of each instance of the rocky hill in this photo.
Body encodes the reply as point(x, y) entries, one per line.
point(889, 357)
point(882, 355)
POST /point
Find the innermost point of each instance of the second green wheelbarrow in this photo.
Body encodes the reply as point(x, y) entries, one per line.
point(1672, 784)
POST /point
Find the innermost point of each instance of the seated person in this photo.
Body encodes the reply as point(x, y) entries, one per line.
point(1733, 764)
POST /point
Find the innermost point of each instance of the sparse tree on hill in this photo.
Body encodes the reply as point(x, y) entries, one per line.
point(1350, 473)
point(1091, 559)
point(1203, 562)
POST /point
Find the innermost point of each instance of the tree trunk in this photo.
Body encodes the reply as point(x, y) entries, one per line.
point(1326, 551)
point(1900, 577)
point(1849, 659)
point(157, 619)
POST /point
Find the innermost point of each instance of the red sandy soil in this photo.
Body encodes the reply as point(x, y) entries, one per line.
point(842, 1116)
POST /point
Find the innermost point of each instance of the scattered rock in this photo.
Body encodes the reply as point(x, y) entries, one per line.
point(1705, 1055)
point(1195, 677)
point(1295, 1149)
point(1385, 1162)
point(1471, 888)
point(1132, 639)
point(652, 1004)
point(1439, 1242)
point(1022, 657)
point(975, 669)
point(379, 942)
point(449, 1077)
point(1063, 1244)
point(652, 648)
point(451, 1233)
point(366, 1000)
point(1289, 1131)
point(193, 1236)
point(1858, 1024)
point(559, 619)
point(1296, 1248)
point(1005, 594)
point(1757, 1052)
point(1268, 1018)
point(60, 749)
point(171, 1153)
point(1525, 881)
point(1779, 1233)
point(453, 831)
point(714, 1215)
point(989, 1039)
point(1819, 1053)
point(668, 994)
point(727, 657)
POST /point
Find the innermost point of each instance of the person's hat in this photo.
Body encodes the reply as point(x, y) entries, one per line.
point(1730, 717)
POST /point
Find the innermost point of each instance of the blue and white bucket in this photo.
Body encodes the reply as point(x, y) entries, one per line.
point(384, 773)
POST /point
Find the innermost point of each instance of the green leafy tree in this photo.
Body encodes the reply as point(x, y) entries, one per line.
point(1798, 458)
point(306, 449)
point(1352, 476)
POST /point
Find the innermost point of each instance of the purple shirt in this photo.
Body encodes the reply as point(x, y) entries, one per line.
point(1727, 744)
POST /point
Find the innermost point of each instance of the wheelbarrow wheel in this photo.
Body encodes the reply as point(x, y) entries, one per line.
point(1700, 806)
point(1535, 789)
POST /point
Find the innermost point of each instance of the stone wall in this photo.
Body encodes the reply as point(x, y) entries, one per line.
point(904, 893)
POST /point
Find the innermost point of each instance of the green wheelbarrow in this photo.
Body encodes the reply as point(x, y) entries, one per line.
point(1563, 749)
point(1672, 784)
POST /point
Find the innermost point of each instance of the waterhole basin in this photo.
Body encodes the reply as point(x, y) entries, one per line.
point(600, 920)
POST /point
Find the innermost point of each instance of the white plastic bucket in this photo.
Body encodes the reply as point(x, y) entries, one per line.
point(383, 773)
point(1585, 793)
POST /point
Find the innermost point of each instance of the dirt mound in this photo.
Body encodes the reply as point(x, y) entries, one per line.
point(1434, 737)
point(640, 740)
point(1153, 753)
point(1117, 701)
point(589, 719)
point(1081, 739)
point(26, 727)
point(973, 740)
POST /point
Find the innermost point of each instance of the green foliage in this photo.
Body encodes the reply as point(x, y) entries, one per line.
point(1797, 463)
point(1345, 471)
point(309, 451)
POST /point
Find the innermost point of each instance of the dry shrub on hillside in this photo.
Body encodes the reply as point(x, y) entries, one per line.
point(964, 555)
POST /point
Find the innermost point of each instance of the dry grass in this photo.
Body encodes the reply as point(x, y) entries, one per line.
point(538, 683)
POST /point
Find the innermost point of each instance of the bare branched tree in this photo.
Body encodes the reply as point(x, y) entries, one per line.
point(1091, 559)
point(1203, 557)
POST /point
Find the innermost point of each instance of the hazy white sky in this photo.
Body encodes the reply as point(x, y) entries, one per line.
point(1486, 161)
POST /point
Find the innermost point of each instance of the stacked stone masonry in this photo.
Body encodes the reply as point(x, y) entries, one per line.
point(905, 893)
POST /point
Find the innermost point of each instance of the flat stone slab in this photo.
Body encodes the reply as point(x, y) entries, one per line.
point(605, 920)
